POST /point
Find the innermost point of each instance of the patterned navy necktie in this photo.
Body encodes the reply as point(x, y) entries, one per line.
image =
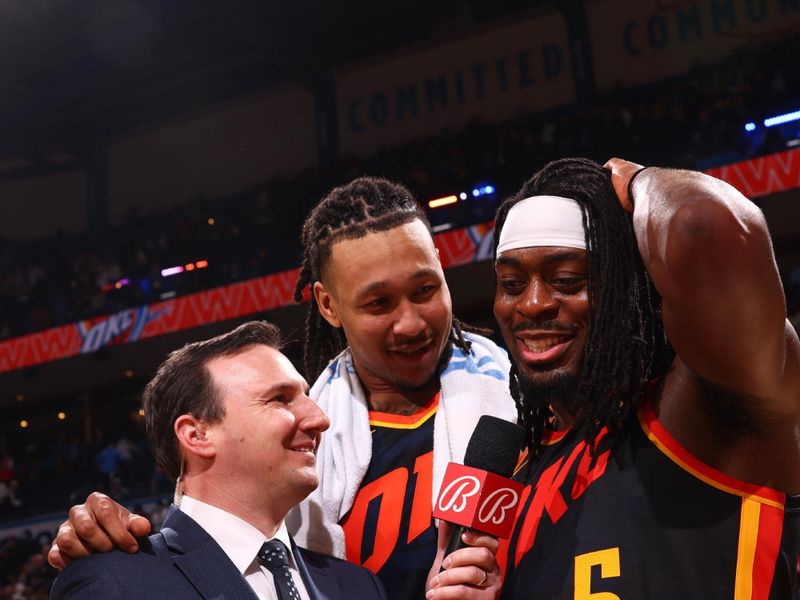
point(274, 556)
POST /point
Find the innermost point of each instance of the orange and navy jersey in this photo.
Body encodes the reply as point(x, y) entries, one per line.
point(389, 529)
point(654, 523)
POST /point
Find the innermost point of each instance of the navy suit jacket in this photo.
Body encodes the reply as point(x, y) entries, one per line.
point(183, 561)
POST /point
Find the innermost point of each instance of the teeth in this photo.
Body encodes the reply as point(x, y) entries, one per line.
point(542, 344)
point(414, 351)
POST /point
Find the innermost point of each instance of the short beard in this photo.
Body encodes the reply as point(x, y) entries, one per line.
point(559, 388)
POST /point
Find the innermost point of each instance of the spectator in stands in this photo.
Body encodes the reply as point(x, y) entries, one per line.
point(108, 462)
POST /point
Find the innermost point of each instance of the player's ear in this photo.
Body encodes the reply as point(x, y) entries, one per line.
point(326, 304)
point(193, 436)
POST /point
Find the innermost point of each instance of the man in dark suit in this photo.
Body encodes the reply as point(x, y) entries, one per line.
point(229, 419)
point(183, 561)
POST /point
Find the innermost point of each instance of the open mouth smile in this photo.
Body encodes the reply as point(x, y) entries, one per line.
point(543, 348)
point(414, 354)
point(306, 448)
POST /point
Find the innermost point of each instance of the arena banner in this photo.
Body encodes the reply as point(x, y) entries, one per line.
point(764, 175)
point(487, 78)
point(634, 43)
point(134, 324)
point(754, 178)
point(456, 247)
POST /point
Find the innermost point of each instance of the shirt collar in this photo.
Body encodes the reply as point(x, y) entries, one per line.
point(238, 539)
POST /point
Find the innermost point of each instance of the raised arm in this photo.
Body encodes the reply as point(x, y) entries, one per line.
point(708, 251)
point(98, 525)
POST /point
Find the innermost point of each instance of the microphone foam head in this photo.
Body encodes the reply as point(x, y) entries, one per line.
point(494, 446)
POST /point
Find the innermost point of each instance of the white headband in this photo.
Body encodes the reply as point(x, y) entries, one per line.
point(543, 221)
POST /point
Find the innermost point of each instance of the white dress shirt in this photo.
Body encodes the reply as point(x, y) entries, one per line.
point(241, 542)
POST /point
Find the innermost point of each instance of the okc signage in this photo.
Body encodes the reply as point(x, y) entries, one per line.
point(479, 500)
point(120, 328)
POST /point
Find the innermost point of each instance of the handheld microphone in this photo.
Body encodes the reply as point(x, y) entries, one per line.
point(479, 494)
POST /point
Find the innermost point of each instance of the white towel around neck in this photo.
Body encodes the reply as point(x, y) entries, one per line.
point(472, 385)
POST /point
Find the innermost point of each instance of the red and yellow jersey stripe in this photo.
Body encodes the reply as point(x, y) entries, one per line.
point(761, 517)
point(382, 419)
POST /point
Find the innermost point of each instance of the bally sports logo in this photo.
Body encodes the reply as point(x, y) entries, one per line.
point(454, 497)
point(478, 499)
point(497, 504)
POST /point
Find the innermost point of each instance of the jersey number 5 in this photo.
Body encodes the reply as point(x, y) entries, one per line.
point(608, 560)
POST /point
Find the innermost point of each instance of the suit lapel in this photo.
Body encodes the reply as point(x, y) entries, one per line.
point(320, 585)
point(202, 561)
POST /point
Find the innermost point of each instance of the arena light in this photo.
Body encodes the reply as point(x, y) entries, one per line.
point(189, 266)
point(750, 126)
point(62, 416)
point(201, 264)
point(171, 271)
point(781, 119)
point(442, 227)
point(443, 201)
point(463, 196)
point(484, 190)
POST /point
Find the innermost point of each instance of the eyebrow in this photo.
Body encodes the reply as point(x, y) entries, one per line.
point(378, 285)
point(560, 255)
point(283, 387)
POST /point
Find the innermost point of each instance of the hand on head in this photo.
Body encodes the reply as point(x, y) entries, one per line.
point(99, 525)
point(469, 573)
point(622, 171)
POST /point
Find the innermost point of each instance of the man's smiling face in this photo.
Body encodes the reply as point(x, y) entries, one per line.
point(387, 290)
point(542, 307)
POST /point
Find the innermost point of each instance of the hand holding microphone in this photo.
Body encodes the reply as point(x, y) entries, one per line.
point(480, 500)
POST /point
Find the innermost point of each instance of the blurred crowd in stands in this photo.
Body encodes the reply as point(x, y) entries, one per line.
point(47, 475)
point(695, 121)
point(26, 575)
point(44, 476)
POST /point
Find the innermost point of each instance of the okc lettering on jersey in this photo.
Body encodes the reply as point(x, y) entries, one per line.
point(391, 489)
point(548, 497)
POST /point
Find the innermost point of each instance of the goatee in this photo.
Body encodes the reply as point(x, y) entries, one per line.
point(559, 388)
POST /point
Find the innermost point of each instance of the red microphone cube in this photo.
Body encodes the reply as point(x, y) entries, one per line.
point(479, 500)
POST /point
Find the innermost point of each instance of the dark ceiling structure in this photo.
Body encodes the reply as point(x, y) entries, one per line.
point(75, 74)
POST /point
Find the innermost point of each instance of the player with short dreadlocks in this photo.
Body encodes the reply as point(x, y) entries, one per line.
point(659, 472)
point(390, 363)
point(365, 205)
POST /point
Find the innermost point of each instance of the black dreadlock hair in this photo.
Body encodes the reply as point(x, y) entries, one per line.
point(365, 205)
point(626, 345)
